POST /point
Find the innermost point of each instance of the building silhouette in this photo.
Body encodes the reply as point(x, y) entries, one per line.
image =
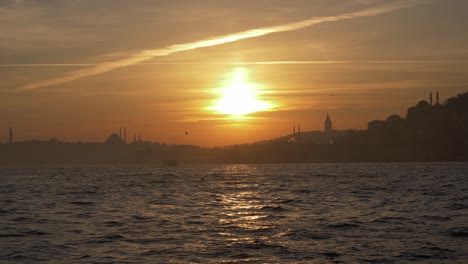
point(11, 135)
point(293, 135)
point(327, 127)
point(113, 139)
point(437, 103)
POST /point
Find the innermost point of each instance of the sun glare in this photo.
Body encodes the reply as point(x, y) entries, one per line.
point(239, 97)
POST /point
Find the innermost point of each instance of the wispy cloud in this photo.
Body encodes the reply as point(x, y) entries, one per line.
point(282, 62)
point(48, 65)
point(178, 63)
point(253, 33)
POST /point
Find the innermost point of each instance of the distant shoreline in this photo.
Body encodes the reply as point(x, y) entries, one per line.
point(429, 133)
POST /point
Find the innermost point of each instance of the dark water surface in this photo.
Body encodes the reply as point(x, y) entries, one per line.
point(301, 213)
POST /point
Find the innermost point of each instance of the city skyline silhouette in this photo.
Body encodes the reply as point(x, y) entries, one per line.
point(430, 131)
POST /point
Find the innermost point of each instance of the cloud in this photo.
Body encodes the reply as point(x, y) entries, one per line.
point(145, 55)
point(180, 63)
point(282, 62)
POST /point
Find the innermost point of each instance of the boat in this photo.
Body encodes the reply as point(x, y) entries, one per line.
point(169, 163)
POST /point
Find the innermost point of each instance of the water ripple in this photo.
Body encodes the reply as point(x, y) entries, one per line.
point(299, 213)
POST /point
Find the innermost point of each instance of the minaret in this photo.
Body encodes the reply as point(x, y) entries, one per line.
point(430, 98)
point(11, 135)
point(125, 134)
point(327, 124)
point(120, 133)
point(294, 131)
point(437, 98)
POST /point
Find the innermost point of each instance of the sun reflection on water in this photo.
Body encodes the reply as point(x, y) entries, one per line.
point(242, 216)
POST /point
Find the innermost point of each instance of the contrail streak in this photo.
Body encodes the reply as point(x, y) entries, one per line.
point(291, 62)
point(177, 63)
point(253, 33)
point(48, 65)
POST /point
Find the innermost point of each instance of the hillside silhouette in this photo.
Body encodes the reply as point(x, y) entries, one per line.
point(428, 132)
point(436, 132)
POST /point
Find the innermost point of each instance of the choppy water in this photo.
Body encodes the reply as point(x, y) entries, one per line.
point(306, 213)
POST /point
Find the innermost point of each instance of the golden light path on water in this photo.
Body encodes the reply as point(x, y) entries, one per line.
point(242, 208)
point(239, 96)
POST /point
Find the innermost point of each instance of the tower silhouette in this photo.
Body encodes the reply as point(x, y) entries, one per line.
point(327, 126)
point(430, 98)
point(11, 135)
point(437, 98)
point(125, 135)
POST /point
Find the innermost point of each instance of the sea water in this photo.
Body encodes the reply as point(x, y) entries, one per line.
point(295, 213)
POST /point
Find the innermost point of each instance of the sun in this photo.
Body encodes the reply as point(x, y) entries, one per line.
point(239, 97)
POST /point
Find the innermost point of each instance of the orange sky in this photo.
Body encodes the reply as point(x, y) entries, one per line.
point(79, 71)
